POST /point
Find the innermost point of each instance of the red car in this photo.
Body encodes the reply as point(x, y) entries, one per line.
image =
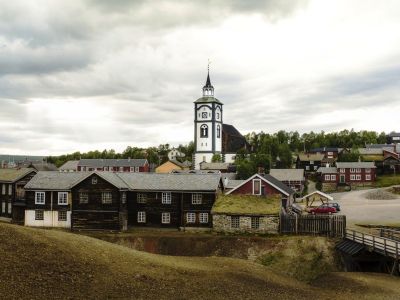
point(323, 209)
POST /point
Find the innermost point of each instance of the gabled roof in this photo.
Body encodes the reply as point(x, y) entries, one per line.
point(283, 188)
point(319, 193)
point(214, 166)
point(13, 175)
point(70, 165)
point(311, 156)
point(353, 165)
point(327, 170)
point(54, 180)
point(123, 162)
point(171, 182)
point(44, 166)
point(288, 174)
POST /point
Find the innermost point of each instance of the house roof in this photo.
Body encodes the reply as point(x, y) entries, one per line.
point(124, 162)
point(377, 146)
point(288, 174)
point(214, 166)
point(246, 205)
point(394, 134)
point(327, 170)
point(280, 186)
point(230, 184)
point(310, 156)
point(363, 164)
point(319, 193)
point(370, 151)
point(171, 182)
point(54, 180)
point(233, 140)
point(12, 175)
point(325, 149)
point(69, 165)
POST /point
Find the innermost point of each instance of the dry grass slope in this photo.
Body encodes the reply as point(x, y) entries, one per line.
point(52, 264)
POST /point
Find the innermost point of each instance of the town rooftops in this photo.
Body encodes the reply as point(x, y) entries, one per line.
point(354, 165)
point(394, 134)
point(54, 180)
point(327, 170)
point(214, 166)
point(70, 165)
point(123, 162)
point(288, 174)
point(311, 156)
point(12, 175)
point(370, 151)
point(326, 149)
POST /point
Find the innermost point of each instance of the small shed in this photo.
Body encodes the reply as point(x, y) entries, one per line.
point(316, 199)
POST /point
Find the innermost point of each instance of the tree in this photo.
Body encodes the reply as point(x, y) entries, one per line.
point(216, 158)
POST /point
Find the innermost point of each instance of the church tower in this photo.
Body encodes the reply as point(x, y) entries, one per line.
point(207, 125)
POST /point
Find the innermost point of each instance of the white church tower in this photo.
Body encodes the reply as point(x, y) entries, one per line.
point(207, 125)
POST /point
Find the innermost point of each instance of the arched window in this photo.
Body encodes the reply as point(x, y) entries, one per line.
point(218, 131)
point(204, 131)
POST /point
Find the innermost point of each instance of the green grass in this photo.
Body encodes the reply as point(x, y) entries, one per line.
point(247, 204)
point(387, 180)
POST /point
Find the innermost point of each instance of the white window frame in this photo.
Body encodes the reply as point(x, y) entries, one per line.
point(333, 177)
point(123, 197)
point(62, 198)
point(3, 189)
point(106, 198)
point(41, 200)
point(307, 168)
point(59, 216)
point(141, 217)
point(352, 170)
point(36, 215)
point(235, 221)
point(258, 180)
point(10, 189)
point(342, 170)
point(367, 176)
point(311, 162)
point(141, 198)
point(120, 169)
point(165, 218)
point(255, 223)
point(190, 218)
point(106, 169)
point(166, 197)
point(83, 197)
point(132, 169)
point(352, 177)
point(137, 169)
point(358, 170)
point(368, 170)
point(358, 177)
point(327, 177)
point(203, 218)
point(9, 208)
point(197, 198)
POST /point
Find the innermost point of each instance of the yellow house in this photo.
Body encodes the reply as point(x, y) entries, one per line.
point(173, 165)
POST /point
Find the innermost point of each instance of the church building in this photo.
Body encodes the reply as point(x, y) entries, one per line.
point(211, 136)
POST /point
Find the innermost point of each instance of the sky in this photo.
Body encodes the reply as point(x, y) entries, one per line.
point(87, 75)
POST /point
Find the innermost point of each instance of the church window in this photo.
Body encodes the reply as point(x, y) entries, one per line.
point(204, 131)
point(217, 115)
point(218, 131)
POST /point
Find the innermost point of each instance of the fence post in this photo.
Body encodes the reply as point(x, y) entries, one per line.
point(296, 224)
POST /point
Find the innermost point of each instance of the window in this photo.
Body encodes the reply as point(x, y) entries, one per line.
point(352, 170)
point(342, 170)
point(137, 170)
point(315, 167)
point(368, 177)
point(141, 217)
point(203, 217)
point(62, 198)
point(203, 131)
point(94, 180)
point(358, 170)
point(121, 169)
point(166, 198)
point(39, 215)
point(3, 207)
point(311, 162)
point(165, 218)
point(367, 170)
point(132, 169)
point(105, 168)
point(83, 198)
point(307, 168)
point(3, 189)
point(204, 115)
point(141, 198)
point(235, 221)
point(218, 131)
point(106, 198)
point(352, 177)
point(62, 215)
point(327, 177)
point(358, 177)
point(217, 116)
point(39, 198)
point(255, 222)
point(256, 187)
point(190, 218)
point(9, 208)
point(123, 198)
point(10, 189)
point(197, 198)
point(333, 177)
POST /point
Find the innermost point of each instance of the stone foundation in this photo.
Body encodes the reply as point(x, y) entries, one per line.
point(268, 224)
point(329, 187)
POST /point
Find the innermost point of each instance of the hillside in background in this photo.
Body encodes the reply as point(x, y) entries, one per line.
point(39, 263)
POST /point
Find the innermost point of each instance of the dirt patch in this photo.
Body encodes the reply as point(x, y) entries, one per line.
point(380, 194)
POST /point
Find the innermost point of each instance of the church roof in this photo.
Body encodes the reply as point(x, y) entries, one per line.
point(232, 139)
point(208, 82)
point(208, 100)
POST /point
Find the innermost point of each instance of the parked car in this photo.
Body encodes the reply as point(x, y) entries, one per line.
point(323, 209)
point(335, 205)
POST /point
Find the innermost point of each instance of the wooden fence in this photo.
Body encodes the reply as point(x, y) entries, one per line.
point(328, 225)
point(392, 234)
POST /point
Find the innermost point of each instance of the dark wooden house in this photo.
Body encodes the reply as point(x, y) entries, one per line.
point(12, 192)
point(309, 162)
point(114, 165)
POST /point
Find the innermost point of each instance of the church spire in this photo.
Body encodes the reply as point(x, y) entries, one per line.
point(208, 89)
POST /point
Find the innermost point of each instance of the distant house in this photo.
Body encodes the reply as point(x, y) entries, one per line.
point(217, 166)
point(393, 138)
point(114, 165)
point(264, 185)
point(69, 166)
point(44, 166)
point(12, 192)
point(246, 213)
point(328, 152)
point(328, 176)
point(293, 178)
point(173, 165)
point(175, 154)
point(309, 162)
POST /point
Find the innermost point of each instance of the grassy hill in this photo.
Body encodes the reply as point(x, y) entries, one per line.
point(38, 263)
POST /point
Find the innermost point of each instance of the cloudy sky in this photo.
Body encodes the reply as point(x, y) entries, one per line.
point(86, 75)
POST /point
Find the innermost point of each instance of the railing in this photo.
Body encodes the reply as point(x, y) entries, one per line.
point(390, 234)
point(382, 245)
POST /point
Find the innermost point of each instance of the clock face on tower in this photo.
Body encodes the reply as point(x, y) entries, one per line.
point(204, 115)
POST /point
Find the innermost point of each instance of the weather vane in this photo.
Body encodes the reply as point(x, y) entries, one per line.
point(208, 67)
